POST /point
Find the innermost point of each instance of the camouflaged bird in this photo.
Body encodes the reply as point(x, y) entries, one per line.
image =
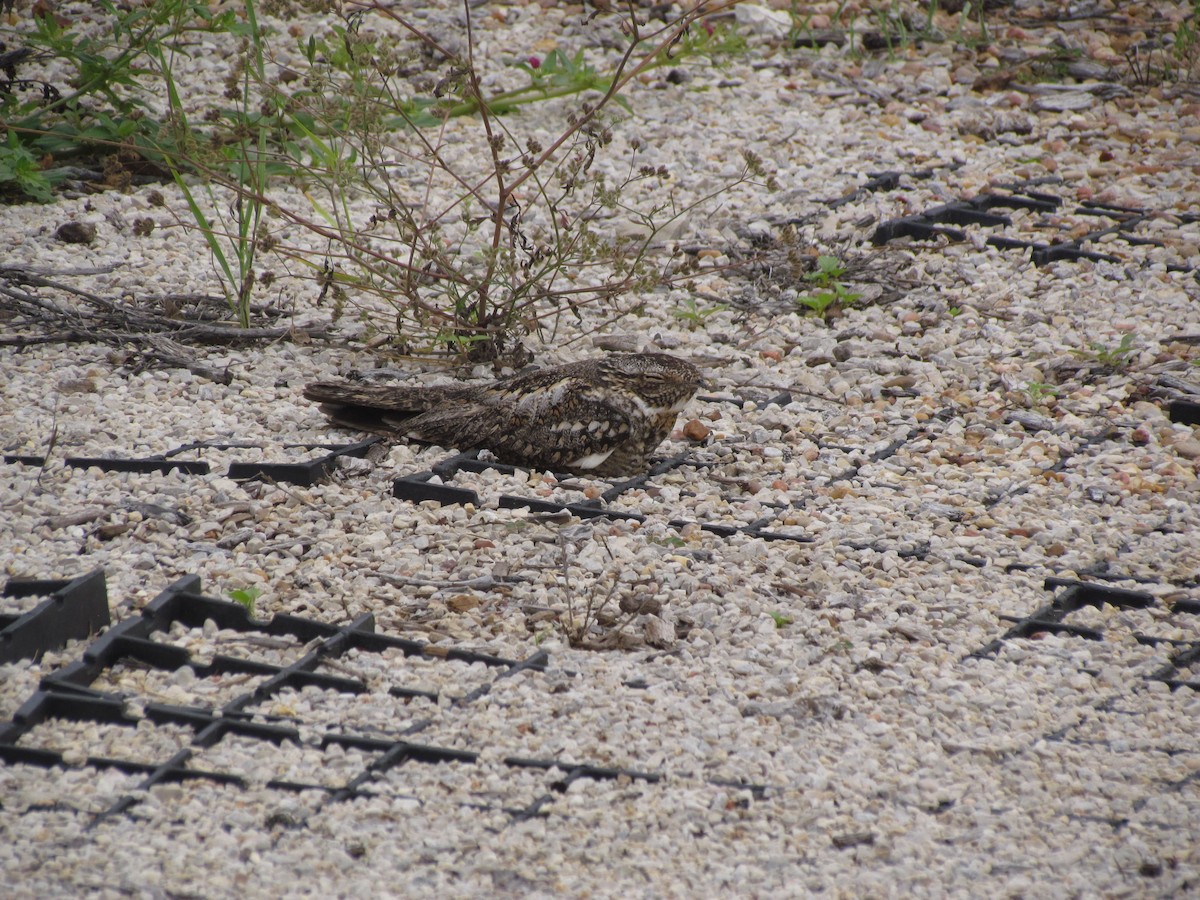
point(602, 416)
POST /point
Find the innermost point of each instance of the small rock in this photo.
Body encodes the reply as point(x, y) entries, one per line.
point(695, 430)
point(1064, 102)
point(462, 603)
point(1189, 448)
point(76, 233)
point(641, 603)
point(625, 343)
point(770, 23)
point(80, 517)
point(852, 839)
point(235, 539)
point(658, 632)
point(760, 229)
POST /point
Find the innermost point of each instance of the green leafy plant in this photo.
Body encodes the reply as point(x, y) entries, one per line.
point(1039, 392)
point(961, 35)
point(1186, 48)
point(1054, 65)
point(781, 621)
point(19, 171)
point(466, 251)
point(833, 295)
point(246, 597)
point(557, 75)
point(247, 156)
point(695, 315)
point(670, 541)
point(1156, 60)
point(866, 29)
point(102, 106)
point(516, 247)
point(894, 30)
point(710, 39)
point(829, 269)
point(109, 114)
point(1111, 357)
point(823, 303)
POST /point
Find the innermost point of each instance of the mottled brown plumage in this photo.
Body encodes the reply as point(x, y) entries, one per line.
point(602, 416)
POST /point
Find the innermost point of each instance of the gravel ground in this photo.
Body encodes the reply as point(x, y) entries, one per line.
point(810, 700)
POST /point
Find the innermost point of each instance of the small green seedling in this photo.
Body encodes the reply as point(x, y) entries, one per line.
point(1039, 392)
point(823, 302)
point(781, 621)
point(829, 270)
point(671, 541)
point(1117, 357)
point(246, 597)
point(696, 315)
point(833, 295)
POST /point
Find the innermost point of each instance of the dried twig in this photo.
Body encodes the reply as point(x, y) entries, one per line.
point(41, 310)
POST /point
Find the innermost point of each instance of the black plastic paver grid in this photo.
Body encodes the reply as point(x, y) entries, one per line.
point(436, 484)
point(1064, 615)
point(939, 221)
point(306, 472)
point(72, 610)
point(852, 458)
point(420, 487)
point(69, 696)
point(881, 181)
point(1184, 412)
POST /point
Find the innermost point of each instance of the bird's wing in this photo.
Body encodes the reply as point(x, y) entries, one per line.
point(555, 426)
point(382, 408)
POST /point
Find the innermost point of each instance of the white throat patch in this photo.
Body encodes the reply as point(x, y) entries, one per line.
point(592, 460)
point(651, 412)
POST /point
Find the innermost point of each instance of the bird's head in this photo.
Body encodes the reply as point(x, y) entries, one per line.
point(662, 381)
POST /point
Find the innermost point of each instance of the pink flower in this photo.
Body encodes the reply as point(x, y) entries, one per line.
point(708, 27)
point(534, 62)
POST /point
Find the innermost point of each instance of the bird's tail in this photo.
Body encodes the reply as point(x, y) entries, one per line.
point(371, 396)
point(370, 407)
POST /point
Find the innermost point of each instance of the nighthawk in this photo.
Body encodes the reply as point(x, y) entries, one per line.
point(601, 416)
